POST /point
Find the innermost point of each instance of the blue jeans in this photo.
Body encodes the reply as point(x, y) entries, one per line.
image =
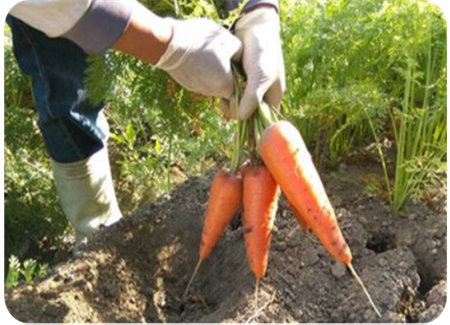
point(72, 128)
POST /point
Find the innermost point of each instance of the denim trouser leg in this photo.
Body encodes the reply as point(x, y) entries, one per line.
point(73, 129)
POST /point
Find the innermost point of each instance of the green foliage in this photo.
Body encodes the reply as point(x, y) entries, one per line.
point(211, 9)
point(29, 270)
point(333, 121)
point(158, 129)
point(335, 73)
point(344, 61)
point(32, 211)
point(421, 137)
point(418, 107)
point(12, 278)
point(15, 82)
point(352, 66)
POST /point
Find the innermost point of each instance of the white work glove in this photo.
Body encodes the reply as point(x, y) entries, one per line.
point(262, 60)
point(86, 193)
point(199, 57)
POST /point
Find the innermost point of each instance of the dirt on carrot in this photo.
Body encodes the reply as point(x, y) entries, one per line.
point(137, 270)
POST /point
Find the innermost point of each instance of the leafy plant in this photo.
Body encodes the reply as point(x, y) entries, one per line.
point(343, 60)
point(15, 82)
point(421, 141)
point(353, 66)
point(419, 115)
point(28, 271)
point(335, 73)
point(33, 218)
point(13, 275)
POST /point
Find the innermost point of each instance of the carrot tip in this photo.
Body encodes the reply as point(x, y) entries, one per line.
point(256, 293)
point(192, 277)
point(358, 279)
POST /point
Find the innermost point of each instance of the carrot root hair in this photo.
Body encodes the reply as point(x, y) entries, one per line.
point(358, 279)
point(192, 277)
point(260, 310)
point(256, 293)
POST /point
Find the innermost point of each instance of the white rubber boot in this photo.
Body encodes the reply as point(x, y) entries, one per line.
point(87, 194)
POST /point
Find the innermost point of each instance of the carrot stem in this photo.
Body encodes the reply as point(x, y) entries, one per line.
point(236, 159)
point(192, 277)
point(257, 132)
point(264, 112)
point(238, 79)
point(358, 279)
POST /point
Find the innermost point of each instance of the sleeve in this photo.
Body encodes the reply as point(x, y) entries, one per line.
point(94, 25)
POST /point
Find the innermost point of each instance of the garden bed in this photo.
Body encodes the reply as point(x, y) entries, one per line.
point(137, 270)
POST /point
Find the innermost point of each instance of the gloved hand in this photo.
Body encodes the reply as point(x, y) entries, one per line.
point(199, 57)
point(262, 59)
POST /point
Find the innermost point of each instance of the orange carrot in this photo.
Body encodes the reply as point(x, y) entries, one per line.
point(225, 198)
point(287, 158)
point(260, 206)
point(244, 167)
point(290, 163)
point(299, 218)
point(261, 194)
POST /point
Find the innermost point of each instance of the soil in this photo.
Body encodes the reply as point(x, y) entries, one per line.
point(137, 269)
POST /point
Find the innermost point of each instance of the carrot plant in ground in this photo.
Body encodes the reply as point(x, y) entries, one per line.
point(420, 134)
point(355, 65)
point(336, 68)
point(419, 112)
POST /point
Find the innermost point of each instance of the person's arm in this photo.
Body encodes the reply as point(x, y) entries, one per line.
point(195, 52)
point(94, 25)
point(145, 25)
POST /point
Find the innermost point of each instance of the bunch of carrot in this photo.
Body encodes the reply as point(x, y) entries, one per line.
point(279, 160)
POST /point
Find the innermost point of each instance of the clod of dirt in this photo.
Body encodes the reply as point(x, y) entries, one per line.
point(438, 294)
point(338, 270)
point(310, 256)
point(430, 314)
point(137, 270)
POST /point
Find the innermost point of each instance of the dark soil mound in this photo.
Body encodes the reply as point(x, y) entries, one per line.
point(137, 270)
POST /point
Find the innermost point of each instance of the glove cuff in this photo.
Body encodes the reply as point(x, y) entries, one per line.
point(177, 49)
point(258, 17)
